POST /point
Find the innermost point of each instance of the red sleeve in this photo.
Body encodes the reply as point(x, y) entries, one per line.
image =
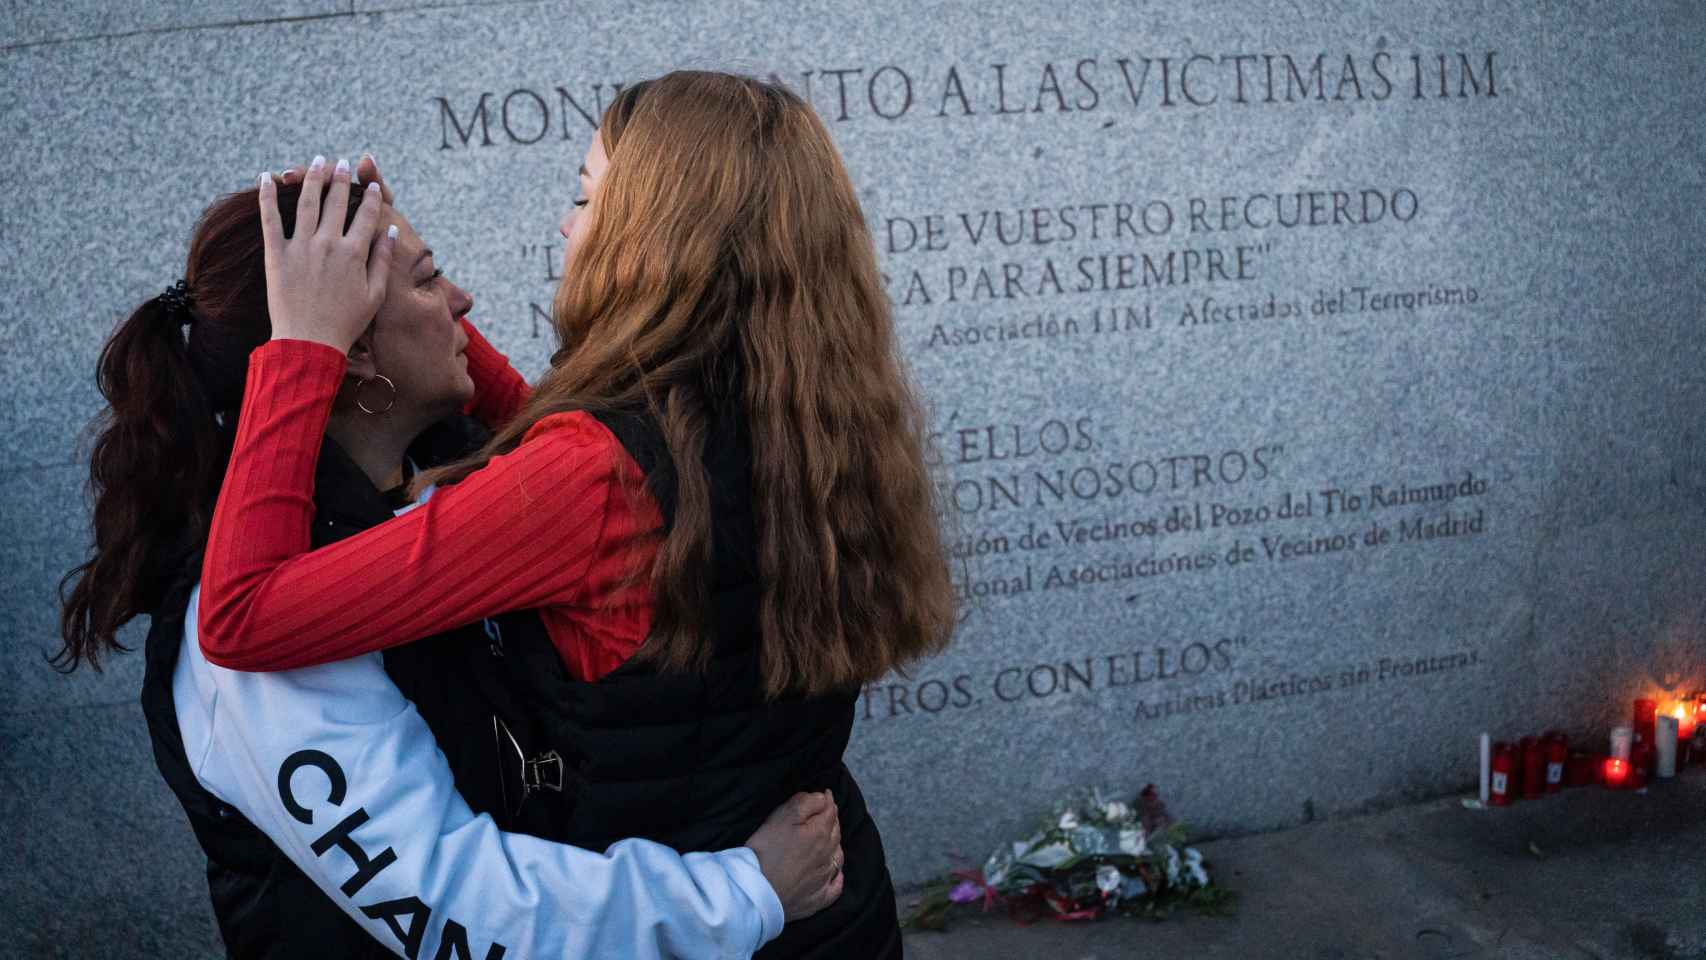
point(499, 391)
point(529, 530)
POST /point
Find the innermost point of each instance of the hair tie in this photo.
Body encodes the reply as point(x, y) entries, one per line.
point(176, 299)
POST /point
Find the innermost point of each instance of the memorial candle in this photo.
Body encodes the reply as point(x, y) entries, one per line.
point(1640, 765)
point(1621, 742)
point(1685, 726)
point(1557, 755)
point(1582, 769)
point(1486, 768)
point(1504, 767)
point(1697, 744)
point(1532, 761)
point(1664, 746)
point(1614, 773)
point(1645, 711)
point(1685, 720)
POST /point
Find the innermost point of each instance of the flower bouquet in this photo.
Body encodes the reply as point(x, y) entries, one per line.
point(1091, 857)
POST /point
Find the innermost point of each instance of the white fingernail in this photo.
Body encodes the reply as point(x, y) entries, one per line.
point(341, 168)
point(391, 232)
point(318, 162)
point(266, 176)
point(373, 186)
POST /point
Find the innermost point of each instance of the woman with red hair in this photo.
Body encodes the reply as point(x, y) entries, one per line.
point(716, 497)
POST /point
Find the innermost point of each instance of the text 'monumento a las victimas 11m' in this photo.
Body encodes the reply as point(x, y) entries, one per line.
point(1306, 396)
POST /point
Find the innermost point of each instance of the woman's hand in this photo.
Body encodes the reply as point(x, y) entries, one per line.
point(799, 850)
point(366, 171)
point(324, 284)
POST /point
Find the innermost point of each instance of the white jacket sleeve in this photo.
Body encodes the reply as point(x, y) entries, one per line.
point(340, 771)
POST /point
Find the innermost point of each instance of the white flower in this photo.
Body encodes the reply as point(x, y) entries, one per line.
point(1108, 879)
point(1049, 857)
point(1000, 862)
point(1090, 840)
point(1194, 867)
point(1116, 812)
point(1172, 866)
point(1069, 821)
point(1132, 842)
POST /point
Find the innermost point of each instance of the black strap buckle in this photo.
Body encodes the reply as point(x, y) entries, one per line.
point(545, 772)
point(521, 776)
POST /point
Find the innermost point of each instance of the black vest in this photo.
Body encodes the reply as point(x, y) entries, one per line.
point(698, 760)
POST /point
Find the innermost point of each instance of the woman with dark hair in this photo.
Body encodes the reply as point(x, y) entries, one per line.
point(332, 822)
point(716, 497)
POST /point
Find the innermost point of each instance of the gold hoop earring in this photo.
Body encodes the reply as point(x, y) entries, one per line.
point(390, 401)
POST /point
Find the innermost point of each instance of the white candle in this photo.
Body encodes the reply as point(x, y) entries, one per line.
point(1486, 767)
point(1664, 745)
point(1621, 740)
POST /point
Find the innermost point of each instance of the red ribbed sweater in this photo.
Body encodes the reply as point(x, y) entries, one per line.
point(549, 526)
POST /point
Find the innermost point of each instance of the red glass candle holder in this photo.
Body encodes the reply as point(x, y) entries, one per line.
point(1614, 773)
point(1697, 743)
point(1581, 769)
point(1641, 765)
point(1685, 720)
point(1645, 711)
point(1557, 748)
point(1683, 711)
point(1533, 761)
point(1502, 786)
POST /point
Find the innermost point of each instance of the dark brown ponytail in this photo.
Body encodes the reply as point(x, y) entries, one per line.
point(173, 379)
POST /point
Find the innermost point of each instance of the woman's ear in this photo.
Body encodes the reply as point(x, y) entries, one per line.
point(362, 364)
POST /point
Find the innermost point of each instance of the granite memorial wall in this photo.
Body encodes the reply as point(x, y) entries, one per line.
point(1308, 394)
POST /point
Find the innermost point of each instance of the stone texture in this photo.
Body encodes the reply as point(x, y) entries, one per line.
point(41, 537)
point(43, 533)
point(62, 21)
point(1571, 387)
point(101, 862)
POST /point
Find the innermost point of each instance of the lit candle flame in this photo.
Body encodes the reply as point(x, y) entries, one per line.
point(1685, 721)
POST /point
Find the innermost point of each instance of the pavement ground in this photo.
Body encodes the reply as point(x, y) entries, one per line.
point(1587, 873)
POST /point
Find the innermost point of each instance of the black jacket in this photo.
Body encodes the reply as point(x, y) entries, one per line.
point(264, 905)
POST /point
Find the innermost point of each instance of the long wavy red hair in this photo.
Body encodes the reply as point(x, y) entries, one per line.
point(727, 261)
